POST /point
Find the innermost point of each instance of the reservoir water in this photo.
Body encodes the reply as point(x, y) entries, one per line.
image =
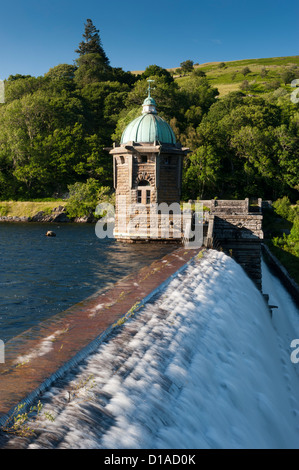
point(41, 276)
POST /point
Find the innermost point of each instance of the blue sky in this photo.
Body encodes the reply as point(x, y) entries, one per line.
point(36, 35)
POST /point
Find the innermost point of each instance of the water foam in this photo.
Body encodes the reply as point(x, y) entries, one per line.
point(201, 366)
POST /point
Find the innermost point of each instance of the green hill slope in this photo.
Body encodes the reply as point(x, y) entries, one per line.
point(264, 76)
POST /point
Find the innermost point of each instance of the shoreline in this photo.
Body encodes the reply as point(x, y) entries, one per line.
point(39, 211)
point(26, 220)
point(58, 215)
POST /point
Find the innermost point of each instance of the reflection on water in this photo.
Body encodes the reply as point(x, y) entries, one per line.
point(42, 276)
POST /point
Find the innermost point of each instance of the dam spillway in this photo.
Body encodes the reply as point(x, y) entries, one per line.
point(202, 365)
point(43, 353)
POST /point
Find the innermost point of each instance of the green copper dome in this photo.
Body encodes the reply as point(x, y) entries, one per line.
point(148, 128)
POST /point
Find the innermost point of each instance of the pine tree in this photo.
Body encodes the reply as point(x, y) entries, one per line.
point(92, 42)
point(92, 63)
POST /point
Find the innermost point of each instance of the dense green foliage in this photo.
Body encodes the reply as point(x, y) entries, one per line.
point(245, 146)
point(284, 209)
point(84, 197)
point(281, 231)
point(53, 129)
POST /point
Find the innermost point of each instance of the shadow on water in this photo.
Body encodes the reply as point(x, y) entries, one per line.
point(41, 276)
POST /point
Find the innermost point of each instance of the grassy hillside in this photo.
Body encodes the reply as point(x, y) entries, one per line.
point(263, 77)
point(265, 74)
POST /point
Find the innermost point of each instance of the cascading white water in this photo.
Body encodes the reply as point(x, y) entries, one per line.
point(201, 366)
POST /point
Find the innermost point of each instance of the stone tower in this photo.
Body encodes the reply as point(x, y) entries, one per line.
point(147, 168)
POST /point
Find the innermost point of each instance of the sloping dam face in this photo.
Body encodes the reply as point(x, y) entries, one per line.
point(202, 365)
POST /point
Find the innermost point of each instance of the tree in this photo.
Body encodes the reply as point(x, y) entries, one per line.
point(198, 73)
point(273, 85)
point(156, 70)
point(91, 69)
point(203, 172)
point(198, 92)
point(61, 72)
point(92, 42)
point(259, 154)
point(84, 197)
point(287, 151)
point(283, 208)
point(103, 102)
point(119, 75)
point(18, 76)
point(264, 72)
point(16, 88)
point(61, 77)
point(222, 107)
point(245, 71)
point(93, 64)
point(245, 85)
point(187, 66)
point(288, 75)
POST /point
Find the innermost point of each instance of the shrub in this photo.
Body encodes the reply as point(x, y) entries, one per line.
point(288, 75)
point(264, 72)
point(84, 197)
point(289, 243)
point(198, 73)
point(273, 85)
point(3, 209)
point(284, 208)
point(245, 85)
point(245, 71)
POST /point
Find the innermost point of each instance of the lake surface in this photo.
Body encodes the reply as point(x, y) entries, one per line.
point(41, 276)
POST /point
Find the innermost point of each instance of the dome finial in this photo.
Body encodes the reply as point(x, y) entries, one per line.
point(149, 104)
point(149, 87)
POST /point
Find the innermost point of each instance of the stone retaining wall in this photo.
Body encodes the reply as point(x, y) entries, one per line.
point(236, 228)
